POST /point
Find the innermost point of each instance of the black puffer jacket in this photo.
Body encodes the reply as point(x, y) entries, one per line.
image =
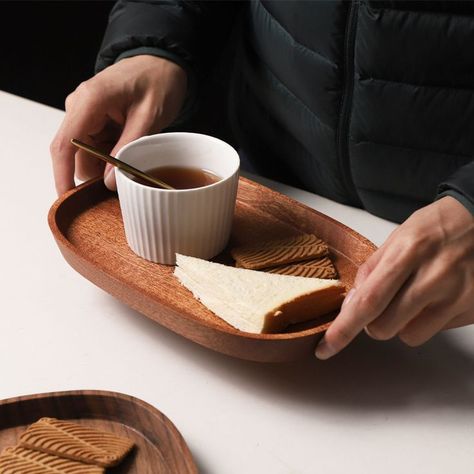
point(369, 103)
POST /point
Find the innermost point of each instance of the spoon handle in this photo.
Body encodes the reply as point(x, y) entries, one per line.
point(120, 164)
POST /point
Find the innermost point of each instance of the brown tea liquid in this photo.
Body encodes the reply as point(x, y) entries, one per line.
point(180, 177)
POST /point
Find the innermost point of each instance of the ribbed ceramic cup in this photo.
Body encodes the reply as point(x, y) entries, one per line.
point(160, 223)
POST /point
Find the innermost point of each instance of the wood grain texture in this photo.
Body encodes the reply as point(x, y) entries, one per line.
point(87, 226)
point(159, 447)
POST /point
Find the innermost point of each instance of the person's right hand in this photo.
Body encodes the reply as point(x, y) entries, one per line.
point(137, 96)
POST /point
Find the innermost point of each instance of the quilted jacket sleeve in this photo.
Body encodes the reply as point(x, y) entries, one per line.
point(460, 185)
point(190, 30)
point(189, 33)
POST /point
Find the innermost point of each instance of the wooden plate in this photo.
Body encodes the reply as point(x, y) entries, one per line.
point(159, 447)
point(87, 226)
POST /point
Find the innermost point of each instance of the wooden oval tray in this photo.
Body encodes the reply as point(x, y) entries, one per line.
point(87, 226)
point(159, 447)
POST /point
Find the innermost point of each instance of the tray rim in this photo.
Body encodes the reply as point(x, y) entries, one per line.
point(62, 239)
point(107, 394)
point(82, 393)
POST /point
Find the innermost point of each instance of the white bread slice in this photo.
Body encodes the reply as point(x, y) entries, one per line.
point(254, 301)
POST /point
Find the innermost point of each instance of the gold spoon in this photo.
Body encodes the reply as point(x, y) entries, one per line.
point(121, 164)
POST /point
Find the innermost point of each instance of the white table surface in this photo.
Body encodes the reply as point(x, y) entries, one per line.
point(378, 407)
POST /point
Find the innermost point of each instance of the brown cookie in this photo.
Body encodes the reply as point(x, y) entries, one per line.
point(20, 460)
point(77, 442)
point(280, 252)
point(317, 268)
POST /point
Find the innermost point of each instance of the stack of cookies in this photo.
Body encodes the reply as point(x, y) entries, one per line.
point(305, 255)
point(57, 446)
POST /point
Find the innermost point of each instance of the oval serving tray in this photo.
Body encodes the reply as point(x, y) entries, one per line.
point(159, 447)
point(87, 225)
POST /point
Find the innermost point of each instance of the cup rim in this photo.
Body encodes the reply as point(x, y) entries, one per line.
point(207, 186)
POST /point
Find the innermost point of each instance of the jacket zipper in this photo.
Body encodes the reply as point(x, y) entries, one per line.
point(346, 103)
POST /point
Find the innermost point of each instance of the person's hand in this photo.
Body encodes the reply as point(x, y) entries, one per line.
point(419, 282)
point(136, 96)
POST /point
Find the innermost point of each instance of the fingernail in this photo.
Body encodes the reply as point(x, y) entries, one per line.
point(349, 296)
point(324, 350)
point(367, 331)
point(108, 177)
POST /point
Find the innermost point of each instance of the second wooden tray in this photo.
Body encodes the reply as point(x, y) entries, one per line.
point(159, 447)
point(88, 228)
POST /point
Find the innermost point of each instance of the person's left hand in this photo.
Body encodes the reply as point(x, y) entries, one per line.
point(420, 281)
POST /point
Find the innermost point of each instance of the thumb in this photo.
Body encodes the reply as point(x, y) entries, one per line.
point(138, 123)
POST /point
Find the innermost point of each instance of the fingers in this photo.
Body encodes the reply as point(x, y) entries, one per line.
point(79, 122)
point(463, 319)
point(368, 301)
point(62, 154)
point(87, 166)
point(109, 177)
point(409, 302)
point(428, 296)
point(140, 121)
point(425, 325)
point(366, 268)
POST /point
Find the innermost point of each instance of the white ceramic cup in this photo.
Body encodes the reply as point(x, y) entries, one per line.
point(197, 222)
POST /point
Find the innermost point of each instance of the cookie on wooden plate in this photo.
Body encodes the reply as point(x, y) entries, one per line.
point(279, 252)
point(317, 268)
point(18, 460)
point(77, 442)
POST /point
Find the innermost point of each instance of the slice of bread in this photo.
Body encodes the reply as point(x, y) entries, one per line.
point(254, 301)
